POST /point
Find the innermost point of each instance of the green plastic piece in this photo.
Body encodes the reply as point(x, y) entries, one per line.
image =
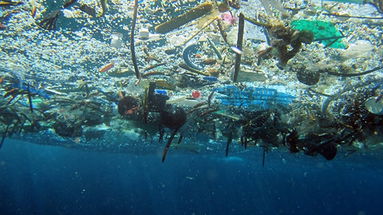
point(321, 30)
point(37, 101)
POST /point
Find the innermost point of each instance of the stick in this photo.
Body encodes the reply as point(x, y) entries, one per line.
point(199, 31)
point(132, 48)
point(30, 99)
point(221, 31)
point(229, 141)
point(166, 149)
point(355, 74)
point(241, 28)
point(354, 17)
point(263, 156)
point(4, 136)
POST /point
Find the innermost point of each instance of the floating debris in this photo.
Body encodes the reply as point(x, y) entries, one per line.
point(104, 7)
point(215, 49)
point(116, 40)
point(375, 105)
point(132, 44)
point(261, 98)
point(191, 15)
point(236, 50)
point(88, 10)
point(173, 118)
point(241, 28)
point(187, 53)
point(311, 86)
point(308, 77)
point(49, 22)
point(323, 31)
point(9, 3)
point(144, 34)
point(107, 67)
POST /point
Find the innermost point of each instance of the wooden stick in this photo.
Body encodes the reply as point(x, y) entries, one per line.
point(199, 31)
point(167, 147)
point(132, 48)
point(241, 27)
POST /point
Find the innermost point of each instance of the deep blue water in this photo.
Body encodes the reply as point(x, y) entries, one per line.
point(38, 179)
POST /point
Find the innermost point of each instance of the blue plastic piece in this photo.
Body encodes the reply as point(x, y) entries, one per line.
point(32, 90)
point(189, 51)
point(161, 92)
point(210, 78)
point(253, 97)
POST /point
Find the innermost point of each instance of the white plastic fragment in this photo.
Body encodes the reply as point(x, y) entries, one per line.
point(359, 49)
point(116, 40)
point(144, 34)
point(236, 50)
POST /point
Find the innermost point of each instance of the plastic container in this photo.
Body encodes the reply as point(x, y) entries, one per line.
point(375, 105)
point(252, 97)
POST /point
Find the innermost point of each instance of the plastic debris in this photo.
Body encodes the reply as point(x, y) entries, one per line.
point(162, 92)
point(116, 40)
point(19, 84)
point(375, 105)
point(191, 68)
point(143, 34)
point(252, 97)
point(196, 94)
point(323, 31)
point(178, 21)
point(187, 53)
point(210, 78)
point(107, 67)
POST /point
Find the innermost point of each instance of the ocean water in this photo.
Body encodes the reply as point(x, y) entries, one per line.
point(53, 180)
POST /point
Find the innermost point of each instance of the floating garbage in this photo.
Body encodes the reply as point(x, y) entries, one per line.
point(196, 94)
point(136, 91)
point(143, 34)
point(116, 40)
point(21, 85)
point(210, 78)
point(191, 15)
point(252, 97)
point(106, 67)
point(323, 31)
point(189, 54)
point(162, 92)
point(375, 105)
point(308, 77)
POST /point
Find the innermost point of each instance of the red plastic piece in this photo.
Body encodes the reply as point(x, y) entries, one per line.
point(196, 94)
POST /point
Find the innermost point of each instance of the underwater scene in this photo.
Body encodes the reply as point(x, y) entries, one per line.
point(191, 107)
